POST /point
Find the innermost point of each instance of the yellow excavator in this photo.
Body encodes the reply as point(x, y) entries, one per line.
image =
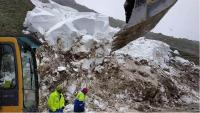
point(18, 76)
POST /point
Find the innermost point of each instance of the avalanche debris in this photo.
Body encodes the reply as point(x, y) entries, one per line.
point(143, 76)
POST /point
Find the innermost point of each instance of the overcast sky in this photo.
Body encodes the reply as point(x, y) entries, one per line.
point(181, 21)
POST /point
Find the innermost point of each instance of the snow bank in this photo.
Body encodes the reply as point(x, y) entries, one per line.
point(151, 50)
point(55, 22)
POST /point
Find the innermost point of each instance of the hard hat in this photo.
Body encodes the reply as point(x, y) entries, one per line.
point(85, 90)
point(59, 88)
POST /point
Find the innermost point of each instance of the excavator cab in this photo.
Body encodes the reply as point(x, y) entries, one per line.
point(18, 75)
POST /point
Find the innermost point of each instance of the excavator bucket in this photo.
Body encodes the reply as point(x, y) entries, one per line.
point(145, 16)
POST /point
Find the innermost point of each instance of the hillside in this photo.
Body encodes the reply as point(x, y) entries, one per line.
point(12, 14)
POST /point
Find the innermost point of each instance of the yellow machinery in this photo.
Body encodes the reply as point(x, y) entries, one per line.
point(18, 77)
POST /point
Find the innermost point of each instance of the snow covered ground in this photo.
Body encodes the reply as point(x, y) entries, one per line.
point(142, 76)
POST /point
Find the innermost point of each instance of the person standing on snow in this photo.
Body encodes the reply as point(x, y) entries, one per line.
point(56, 101)
point(79, 103)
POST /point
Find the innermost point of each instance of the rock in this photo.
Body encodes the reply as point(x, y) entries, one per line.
point(133, 70)
point(62, 68)
point(195, 71)
point(144, 74)
point(69, 108)
point(87, 64)
point(143, 62)
point(99, 69)
point(176, 52)
point(166, 69)
point(100, 104)
point(153, 70)
point(137, 63)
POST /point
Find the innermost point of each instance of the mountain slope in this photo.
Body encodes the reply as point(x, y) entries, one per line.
point(12, 14)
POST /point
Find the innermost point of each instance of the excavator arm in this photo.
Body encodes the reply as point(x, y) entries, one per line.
point(141, 17)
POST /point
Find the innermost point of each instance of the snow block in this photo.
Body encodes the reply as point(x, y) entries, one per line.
point(53, 21)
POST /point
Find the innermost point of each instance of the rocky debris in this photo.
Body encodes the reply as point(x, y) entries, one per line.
point(117, 87)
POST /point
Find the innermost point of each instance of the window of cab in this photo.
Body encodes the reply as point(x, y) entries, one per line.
point(28, 79)
point(7, 67)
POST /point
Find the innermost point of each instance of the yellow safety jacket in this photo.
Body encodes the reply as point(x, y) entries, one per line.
point(81, 96)
point(56, 101)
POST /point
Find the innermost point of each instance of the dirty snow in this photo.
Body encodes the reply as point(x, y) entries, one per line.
point(151, 50)
point(62, 68)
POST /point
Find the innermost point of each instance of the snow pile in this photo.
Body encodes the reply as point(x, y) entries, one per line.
point(151, 50)
point(84, 32)
point(64, 26)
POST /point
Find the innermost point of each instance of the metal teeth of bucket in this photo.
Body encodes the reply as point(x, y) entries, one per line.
point(144, 18)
